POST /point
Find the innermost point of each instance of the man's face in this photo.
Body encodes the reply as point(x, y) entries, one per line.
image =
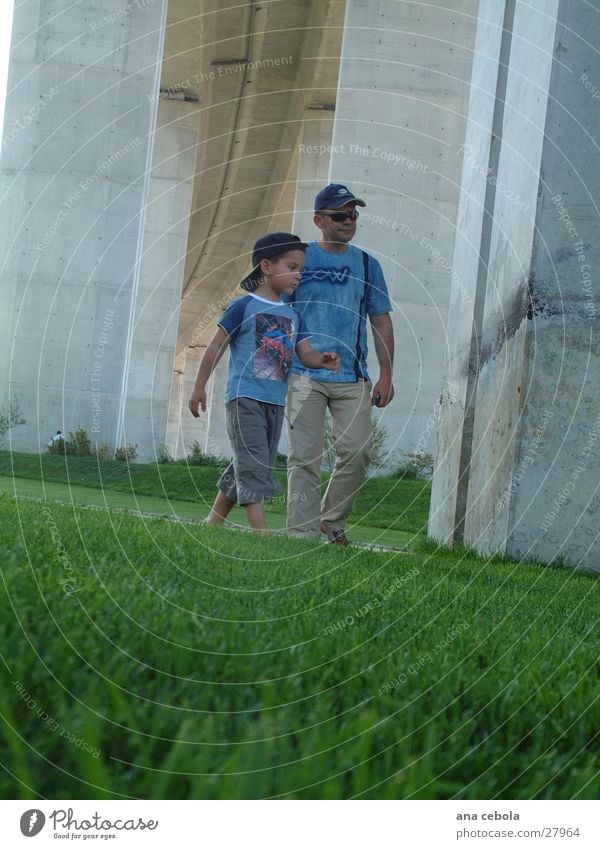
point(340, 232)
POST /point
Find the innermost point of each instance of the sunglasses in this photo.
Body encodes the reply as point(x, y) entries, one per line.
point(341, 216)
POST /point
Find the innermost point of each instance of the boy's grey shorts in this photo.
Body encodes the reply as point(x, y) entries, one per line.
point(254, 428)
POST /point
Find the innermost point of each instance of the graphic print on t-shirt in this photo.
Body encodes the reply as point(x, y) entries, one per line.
point(274, 347)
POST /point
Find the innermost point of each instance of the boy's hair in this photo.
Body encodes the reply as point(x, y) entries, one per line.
point(269, 247)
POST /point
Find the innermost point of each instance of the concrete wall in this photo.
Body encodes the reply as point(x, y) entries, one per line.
point(153, 336)
point(74, 181)
point(556, 474)
point(520, 429)
point(400, 121)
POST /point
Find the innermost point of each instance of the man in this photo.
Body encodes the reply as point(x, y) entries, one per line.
point(340, 286)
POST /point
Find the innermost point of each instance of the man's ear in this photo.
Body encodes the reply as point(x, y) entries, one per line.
point(317, 219)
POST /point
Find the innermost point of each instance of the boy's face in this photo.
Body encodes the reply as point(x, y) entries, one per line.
point(284, 272)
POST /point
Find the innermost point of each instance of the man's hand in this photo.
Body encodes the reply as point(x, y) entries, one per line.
point(330, 360)
point(383, 392)
point(198, 398)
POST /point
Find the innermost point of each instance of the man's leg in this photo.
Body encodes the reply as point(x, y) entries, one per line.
point(350, 408)
point(306, 406)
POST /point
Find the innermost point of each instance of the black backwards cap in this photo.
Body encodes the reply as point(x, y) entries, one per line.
point(269, 247)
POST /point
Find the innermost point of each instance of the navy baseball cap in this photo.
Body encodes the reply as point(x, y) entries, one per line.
point(335, 195)
point(268, 247)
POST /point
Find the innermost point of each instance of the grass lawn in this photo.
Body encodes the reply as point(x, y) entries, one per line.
point(150, 659)
point(388, 510)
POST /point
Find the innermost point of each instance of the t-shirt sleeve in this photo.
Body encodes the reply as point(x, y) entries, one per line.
point(232, 318)
point(378, 299)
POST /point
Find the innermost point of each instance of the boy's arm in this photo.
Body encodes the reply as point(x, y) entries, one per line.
point(316, 359)
point(214, 351)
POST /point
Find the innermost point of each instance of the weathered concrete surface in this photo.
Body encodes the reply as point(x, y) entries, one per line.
point(399, 123)
point(517, 466)
point(554, 512)
point(153, 336)
point(469, 282)
point(77, 143)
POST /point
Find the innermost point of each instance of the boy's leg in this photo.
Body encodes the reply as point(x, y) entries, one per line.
point(256, 427)
point(306, 406)
point(350, 408)
point(274, 420)
point(256, 515)
point(221, 508)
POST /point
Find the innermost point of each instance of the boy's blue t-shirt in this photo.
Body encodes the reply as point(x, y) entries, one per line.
point(334, 301)
point(263, 335)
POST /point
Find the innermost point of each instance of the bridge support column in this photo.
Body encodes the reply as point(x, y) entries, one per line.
point(519, 443)
point(93, 222)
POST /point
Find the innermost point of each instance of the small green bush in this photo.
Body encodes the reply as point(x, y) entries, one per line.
point(77, 444)
point(197, 457)
point(163, 454)
point(10, 418)
point(126, 452)
point(102, 452)
point(57, 446)
point(416, 465)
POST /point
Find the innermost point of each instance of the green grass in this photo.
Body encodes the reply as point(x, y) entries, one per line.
point(393, 509)
point(201, 663)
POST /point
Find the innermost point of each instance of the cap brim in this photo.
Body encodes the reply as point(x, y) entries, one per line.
point(343, 202)
point(250, 282)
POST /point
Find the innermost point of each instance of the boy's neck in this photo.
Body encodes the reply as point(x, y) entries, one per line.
point(266, 292)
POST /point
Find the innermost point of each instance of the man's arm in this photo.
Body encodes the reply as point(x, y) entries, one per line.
point(383, 337)
point(214, 351)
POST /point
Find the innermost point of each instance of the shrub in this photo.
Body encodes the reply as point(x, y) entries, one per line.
point(57, 446)
point(78, 443)
point(10, 418)
point(126, 452)
point(102, 452)
point(416, 465)
point(163, 455)
point(197, 457)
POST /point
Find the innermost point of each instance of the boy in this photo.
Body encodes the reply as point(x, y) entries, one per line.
point(263, 333)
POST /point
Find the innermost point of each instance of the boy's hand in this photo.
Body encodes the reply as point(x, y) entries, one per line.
point(199, 397)
point(331, 361)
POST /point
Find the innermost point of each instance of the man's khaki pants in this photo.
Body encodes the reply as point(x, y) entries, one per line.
point(350, 408)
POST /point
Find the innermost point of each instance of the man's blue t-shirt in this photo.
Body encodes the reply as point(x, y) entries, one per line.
point(263, 335)
point(334, 301)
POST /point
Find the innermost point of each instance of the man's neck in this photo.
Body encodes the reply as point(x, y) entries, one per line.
point(332, 247)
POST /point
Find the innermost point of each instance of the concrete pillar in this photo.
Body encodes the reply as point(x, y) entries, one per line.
point(153, 337)
point(518, 459)
point(314, 159)
point(400, 120)
point(217, 441)
point(75, 180)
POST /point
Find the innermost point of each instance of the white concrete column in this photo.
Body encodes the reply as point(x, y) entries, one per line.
point(314, 158)
point(217, 441)
point(518, 461)
point(74, 182)
point(400, 120)
point(184, 429)
point(153, 336)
